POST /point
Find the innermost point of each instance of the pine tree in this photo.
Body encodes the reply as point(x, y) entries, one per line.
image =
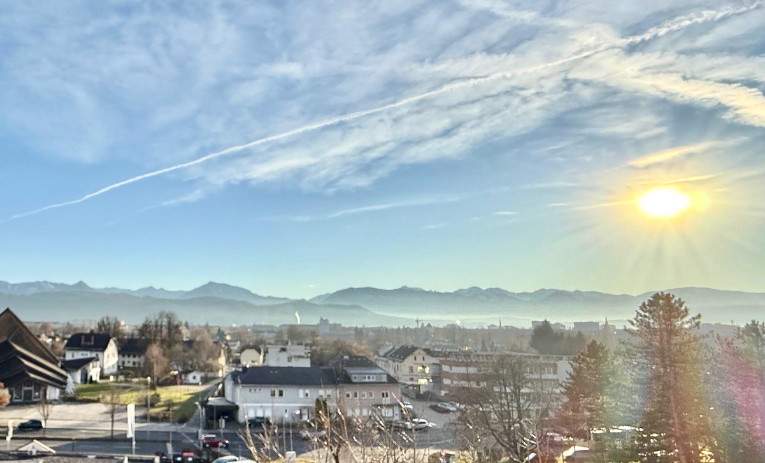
point(675, 422)
point(586, 391)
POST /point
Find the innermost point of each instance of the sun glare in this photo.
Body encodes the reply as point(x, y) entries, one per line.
point(664, 202)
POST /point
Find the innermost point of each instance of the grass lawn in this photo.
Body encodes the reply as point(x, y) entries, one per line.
point(176, 403)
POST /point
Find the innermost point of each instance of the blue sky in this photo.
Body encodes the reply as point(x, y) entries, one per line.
point(296, 148)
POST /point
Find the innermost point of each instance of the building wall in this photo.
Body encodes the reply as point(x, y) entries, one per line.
point(108, 358)
point(134, 361)
point(414, 370)
point(295, 403)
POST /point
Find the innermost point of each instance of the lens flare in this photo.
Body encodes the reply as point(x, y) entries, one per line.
point(664, 202)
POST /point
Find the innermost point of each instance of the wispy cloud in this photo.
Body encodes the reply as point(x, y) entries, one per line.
point(671, 154)
point(505, 213)
point(377, 207)
point(462, 112)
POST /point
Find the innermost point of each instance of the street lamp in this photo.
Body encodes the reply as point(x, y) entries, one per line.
point(148, 400)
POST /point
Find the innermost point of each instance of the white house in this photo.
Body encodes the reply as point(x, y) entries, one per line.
point(288, 355)
point(132, 354)
point(409, 365)
point(81, 371)
point(99, 345)
point(288, 394)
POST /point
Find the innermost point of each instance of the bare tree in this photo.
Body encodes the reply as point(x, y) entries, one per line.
point(111, 326)
point(156, 363)
point(504, 414)
point(44, 407)
point(112, 398)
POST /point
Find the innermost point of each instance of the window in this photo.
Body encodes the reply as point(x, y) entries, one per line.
point(355, 394)
point(364, 395)
point(347, 395)
point(281, 392)
point(371, 395)
point(273, 392)
point(385, 394)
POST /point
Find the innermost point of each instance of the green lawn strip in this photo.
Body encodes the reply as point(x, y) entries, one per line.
point(175, 402)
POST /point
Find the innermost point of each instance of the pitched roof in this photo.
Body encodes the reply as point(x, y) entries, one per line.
point(88, 341)
point(401, 352)
point(24, 357)
point(134, 346)
point(11, 327)
point(296, 376)
point(76, 364)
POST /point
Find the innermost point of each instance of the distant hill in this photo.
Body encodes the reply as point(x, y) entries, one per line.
point(89, 306)
point(227, 304)
point(490, 304)
point(211, 289)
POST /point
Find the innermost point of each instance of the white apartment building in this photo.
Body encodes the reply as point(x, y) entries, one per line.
point(288, 394)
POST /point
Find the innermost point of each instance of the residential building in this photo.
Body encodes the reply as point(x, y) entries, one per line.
point(132, 354)
point(28, 368)
point(287, 355)
point(99, 345)
point(251, 356)
point(81, 371)
point(463, 371)
point(409, 365)
point(289, 394)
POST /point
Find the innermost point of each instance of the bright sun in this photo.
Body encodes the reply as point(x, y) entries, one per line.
point(664, 202)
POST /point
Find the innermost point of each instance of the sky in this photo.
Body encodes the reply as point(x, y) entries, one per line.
point(296, 148)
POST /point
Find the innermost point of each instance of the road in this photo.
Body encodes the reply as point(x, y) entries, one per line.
point(86, 428)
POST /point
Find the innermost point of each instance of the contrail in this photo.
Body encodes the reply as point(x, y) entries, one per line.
point(673, 25)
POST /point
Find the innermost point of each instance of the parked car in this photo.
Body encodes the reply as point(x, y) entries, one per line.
point(211, 441)
point(421, 424)
point(31, 425)
point(450, 406)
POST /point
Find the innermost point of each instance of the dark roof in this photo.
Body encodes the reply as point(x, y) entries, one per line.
point(134, 346)
point(298, 376)
point(23, 357)
point(401, 352)
point(88, 341)
point(76, 364)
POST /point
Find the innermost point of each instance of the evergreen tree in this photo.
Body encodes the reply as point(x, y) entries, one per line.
point(586, 404)
point(675, 422)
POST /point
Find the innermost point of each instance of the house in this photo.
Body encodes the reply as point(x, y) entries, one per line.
point(409, 365)
point(132, 354)
point(29, 370)
point(288, 355)
point(289, 394)
point(251, 356)
point(99, 345)
point(81, 371)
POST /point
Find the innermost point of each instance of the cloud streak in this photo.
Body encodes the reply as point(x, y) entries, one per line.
point(668, 27)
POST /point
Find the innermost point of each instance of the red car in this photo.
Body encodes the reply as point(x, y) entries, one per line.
point(211, 441)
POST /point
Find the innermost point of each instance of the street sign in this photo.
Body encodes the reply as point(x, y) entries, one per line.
point(131, 420)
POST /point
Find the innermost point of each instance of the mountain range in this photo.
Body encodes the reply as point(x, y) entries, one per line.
point(219, 303)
